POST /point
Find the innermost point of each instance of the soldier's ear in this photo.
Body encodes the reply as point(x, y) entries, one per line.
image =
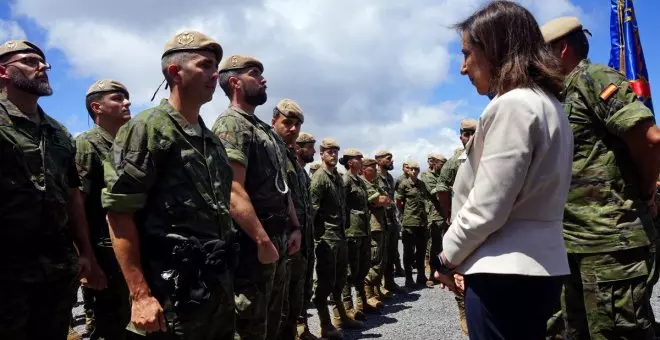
point(4, 75)
point(96, 108)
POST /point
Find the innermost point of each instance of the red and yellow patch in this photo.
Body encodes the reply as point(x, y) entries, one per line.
point(608, 92)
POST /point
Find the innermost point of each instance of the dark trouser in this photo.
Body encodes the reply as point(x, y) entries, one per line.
point(437, 231)
point(292, 306)
point(392, 242)
point(607, 297)
point(414, 248)
point(36, 310)
point(331, 264)
point(110, 307)
point(309, 280)
point(359, 259)
point(509, 307)
point(378, 258)
point(259, 291)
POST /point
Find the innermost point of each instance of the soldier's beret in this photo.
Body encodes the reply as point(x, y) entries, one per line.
point(559, 28)
point(329, 143)
point(368, 162)
point(305, 137)
point(468, 124)
point(350, 152)
point(192, 41)
point(413, 164)
point(107, 85)
point(239, 62)
point(290, 109)
point(405, 164)
point(383, 153)
point(17, 46)
point(437, 156)
point(315, 165)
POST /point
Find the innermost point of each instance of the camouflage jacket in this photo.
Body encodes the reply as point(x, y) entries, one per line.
point(37, 170)
point(299, 183)
point(92, 147)
point(253, 143)
point(448, 174)
point(378, 215)
point(604, 212)
point(386, 182)
point(414, 196)
point(175, 180)
point(433, 211)
point(357, 206)
point(328, 205)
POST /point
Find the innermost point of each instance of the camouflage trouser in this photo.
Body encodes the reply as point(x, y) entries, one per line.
point(36, 310)
point(392, 243)
point(414, 248)
point(259, 291)
point(292, 306)
point(606, 296)
point(331, 265)
point(359, 259)
point(110, 307)
point(437, 231)
point(309, 281)
point(378, 257)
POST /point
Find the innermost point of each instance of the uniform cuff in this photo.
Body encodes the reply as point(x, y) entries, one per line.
point(123, 203)
point(237, 156)
point(629, 116)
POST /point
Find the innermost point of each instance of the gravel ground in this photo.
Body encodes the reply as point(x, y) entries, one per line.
point(422, 314)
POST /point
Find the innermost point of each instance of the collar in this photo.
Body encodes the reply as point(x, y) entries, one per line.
point(104, 134)
point(181, 121)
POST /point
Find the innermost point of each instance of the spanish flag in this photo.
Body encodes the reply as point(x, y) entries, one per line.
point(626, 54)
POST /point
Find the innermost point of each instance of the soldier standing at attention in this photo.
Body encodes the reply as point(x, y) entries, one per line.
point(378, 201)
point(287, 119)
point(357, 236)
point(107, 103)
point(611, 202)
point(386, 182)
point(313, 167)
point(411, 197)
point(435, 217)
point(41, 210)
point(167, 196)
point(329, 216)
point(261, 202)
point(444, 193)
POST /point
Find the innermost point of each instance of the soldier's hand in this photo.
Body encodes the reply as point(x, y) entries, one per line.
point(267, 252)
point(147, 315)
point(293, 245)
point(383, 201)
point(90, 273)
point(458, 280)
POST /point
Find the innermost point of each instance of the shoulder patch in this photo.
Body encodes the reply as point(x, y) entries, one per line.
point(608, 92)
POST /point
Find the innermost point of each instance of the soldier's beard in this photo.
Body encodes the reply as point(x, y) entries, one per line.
point(39, 86)
point(307, 158)
point(389, 167)
point(256, 98)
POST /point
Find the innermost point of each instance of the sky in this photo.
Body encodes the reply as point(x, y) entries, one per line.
point(372, 74)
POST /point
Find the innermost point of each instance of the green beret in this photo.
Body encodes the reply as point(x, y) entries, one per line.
point(17, 46)
point(107, 86)
point(239, 62)
point(304, 138)
point(559, 28)
point(329, 143)
point(192, 41)
point(290, 109)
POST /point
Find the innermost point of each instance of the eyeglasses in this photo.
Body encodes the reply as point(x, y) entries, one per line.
point(33, 62)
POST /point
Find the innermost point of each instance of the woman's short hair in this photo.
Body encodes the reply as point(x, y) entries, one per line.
point(514, 46)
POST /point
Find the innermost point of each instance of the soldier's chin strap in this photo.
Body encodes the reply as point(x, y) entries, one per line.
point(161, 84)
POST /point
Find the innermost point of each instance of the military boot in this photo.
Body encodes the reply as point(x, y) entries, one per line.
point(367, 306)
point(328, 331)
point(394, 288)
point(353, 313)
point(73, 335)
point(341, 320)
point(372, 297)
point(421, 279)
point(303, 333)
point(410, 283)
point(381, 293)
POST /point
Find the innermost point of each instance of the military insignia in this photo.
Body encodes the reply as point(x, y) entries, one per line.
point(185, 38)
point(234, 61)
point(608, 92)
point(100, 85)
point(10, 44)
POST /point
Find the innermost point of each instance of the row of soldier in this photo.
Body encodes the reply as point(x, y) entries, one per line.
point(186, 232)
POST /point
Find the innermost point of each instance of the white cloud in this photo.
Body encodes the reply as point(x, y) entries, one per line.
point(362, 71)
point(10, 30)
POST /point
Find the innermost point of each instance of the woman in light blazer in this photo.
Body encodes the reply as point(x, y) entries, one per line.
point(506, 228)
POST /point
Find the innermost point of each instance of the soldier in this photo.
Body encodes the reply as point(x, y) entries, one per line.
point(444, 193)
point(411, 197)
point(329, 208)
point(41, 210)
point(313, 167)
point(612, 197)
point(357, 236)
point(305, 150)
point(167, 196)
point(287, 119)
point(378, 201)
point(436, 226)
point(261, 201)
point(386, 182)
point(107, 103)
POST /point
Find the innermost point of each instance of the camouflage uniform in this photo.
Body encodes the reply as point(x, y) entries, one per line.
point(379, 225)
point(606, 223)
point(38, 260)
point(328, 204)
point(175, 177)
point(110, 307)
point(293, 307)
point(414, 196)
point(436, 220)
point(260, 288)
point(357, 238)
point(386, 182)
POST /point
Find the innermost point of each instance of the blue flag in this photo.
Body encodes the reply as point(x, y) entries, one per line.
point(626, 54)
